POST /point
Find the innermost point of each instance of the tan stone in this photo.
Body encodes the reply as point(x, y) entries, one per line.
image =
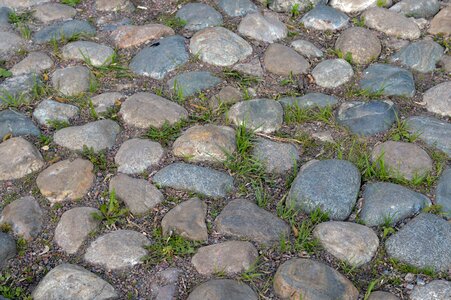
point(230, 257)
point(131, 35)
point(208, 143)
point(362, 43)
point(227, 95)
point(66, 180)
point(284, 61)
point(441, 23)
point(18, 158)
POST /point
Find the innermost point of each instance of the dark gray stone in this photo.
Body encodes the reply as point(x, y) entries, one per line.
point(65, 29)
point(332, 185)
point(202, 180)
point(222, 289)
point(434, 290)
point(424, 242)
point(18, 88)
point(391, 80)
point(309, 100)
point(160, 58)
point(367, 118)
point(198, 16)
point(17, 124)
point(4, 18)
point(417, 8)
point(237, 8)
point(7, 248)
point(432, 131)
point(191, 83)
point(277, 158)
point(245, 220)
point(68, 282)
point(384, 201)
point(443, 193)
point(324, 17)
point(421, 56)
point(287, 5)
point(260, 115)
point(332, 73)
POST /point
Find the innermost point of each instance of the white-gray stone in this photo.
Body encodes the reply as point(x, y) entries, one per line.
point(72, 81)
point(332, 73)
point(35, 62)
point(49, 110)
point(137, 155)
point(90, 52)
point(266, 28)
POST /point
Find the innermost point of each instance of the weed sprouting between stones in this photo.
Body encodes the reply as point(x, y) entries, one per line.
point(111, 212)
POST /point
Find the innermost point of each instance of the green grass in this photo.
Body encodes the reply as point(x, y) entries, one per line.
point(177, 93)
point(167, 248)
point(243, 80)
point(5, 73)
point(112, 66)
point(381, 3)
point(297, 115)
point(295, 10)
point(111, 212)
point(405, 268)
point(58, 124)
point(360, 22)
point(172, 21)
point(167, 133)
point(9, 291)
point(72, 3)
point(288, 81)
point(364, 93)
point(400, 132)
point(13, 100)
point(98, 159)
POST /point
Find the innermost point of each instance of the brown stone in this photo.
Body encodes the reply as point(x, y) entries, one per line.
point(66, 180)
point(284, 61)
point(441, 23)
point(362, 43)
point(227, 95)
point(131, 35)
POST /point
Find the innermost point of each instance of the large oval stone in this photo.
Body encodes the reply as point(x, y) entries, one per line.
point(332, 185)
point(137, 155)
point(198, 16)
point(259, 115)
point(363, 44)
point(222, 289)
point(282, 60)
point(421, 56)
point(132, 35)
point(332, 73)
point(324, 17)
point(434, 132)
point(264, 28)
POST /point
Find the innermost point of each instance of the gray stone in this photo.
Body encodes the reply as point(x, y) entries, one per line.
point(49, 110)
point(350, 242)
point(66, 29)
point(300, 278)
point(35, 62)
point(138, 194)
point(72, 81)
point(210, 43)
point(229, 257)
point(391, 23)
point(309, 100)
point(417, 8)
point(74, 228)
point(207, 143)
point(434, 132)
point(114, 5)
point(306, 48)
point(222, 289)
point(165, 284)
point(117, 250)
point(351, 6)
point(324, 17)
point(10, 43)
point(237, 8)
point(421, 56)
point(7, 248)
point(132, 35)
point(424, 242)
point(145, 109)
point(282, 60)
point(266, 28)
point(332, 185)
point(25, 217)
point(202, 180)
point(441, 23)
point(67, 282)
point(227, 95)
point(363, 44)
point(98, 135)
point(90, 52)
point(66, 180)
point(160, 58)
point(287, 5)
point(378, 295)
point(277, 158)
point(19, 88)
point(50, 12)
point(253, 68)
point(438, 99)
point(434, 290)
point(260, 115)
point(367, 118)
point(199, 16)
point(191, 83)
point(243, 219)
point(332, 73)
point(406, 160)
point(18, 158)
point(4, 18)
point(443, 192)
point(384, 201)
point(21, 3)
point(137, 155)
point(103, 102)
point(389, 80)
point(445, 63)
point(16, 124)
point(187, 220)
